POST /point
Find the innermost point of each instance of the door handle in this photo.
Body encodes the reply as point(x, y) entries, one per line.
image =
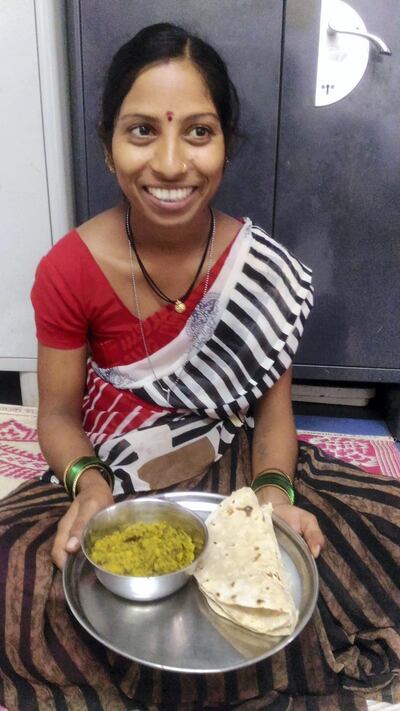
point(343, 53)
point(380, 45)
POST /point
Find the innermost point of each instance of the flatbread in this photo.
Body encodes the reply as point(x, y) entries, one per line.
point(241, 573)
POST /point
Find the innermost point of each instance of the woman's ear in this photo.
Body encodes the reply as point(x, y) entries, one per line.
point(107, 155)
point(109, 161)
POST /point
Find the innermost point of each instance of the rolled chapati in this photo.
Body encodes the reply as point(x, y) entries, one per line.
point(241, 573)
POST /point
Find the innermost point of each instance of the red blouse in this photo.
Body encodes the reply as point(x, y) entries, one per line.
point(75, 304)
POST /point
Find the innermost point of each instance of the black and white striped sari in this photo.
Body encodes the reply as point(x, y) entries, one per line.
point(240, 338)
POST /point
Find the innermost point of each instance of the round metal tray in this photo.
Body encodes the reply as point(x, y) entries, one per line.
point(181, 633)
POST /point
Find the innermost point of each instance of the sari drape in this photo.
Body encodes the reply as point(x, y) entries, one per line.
point(196, 392)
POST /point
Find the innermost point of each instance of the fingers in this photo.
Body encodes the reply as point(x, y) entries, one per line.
point(69, 531)
point(304, 523)
point(68, 535)
point(312, 534)
point(59, 550)
point(72, 524)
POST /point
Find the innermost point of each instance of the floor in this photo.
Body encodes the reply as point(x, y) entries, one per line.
point(366, 421)
point(343, 425)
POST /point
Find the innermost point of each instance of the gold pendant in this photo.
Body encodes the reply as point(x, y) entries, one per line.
point(179, 307)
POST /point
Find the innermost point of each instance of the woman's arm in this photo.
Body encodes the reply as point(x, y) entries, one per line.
point(275, 441)
point(275, 447)
point(61, 376)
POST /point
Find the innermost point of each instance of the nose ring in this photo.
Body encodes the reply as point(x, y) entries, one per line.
point(184, 167)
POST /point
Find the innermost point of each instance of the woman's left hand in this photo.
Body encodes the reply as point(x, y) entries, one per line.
point(302, 522)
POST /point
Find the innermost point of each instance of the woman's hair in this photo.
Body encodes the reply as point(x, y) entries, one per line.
point(156, 43)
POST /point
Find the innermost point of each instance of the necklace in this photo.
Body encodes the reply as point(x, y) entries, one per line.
point(210, 248)
point(179, 304)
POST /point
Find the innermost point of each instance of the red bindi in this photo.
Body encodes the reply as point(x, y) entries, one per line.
point(170, 115)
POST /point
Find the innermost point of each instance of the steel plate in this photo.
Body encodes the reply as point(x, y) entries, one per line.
point(181, 633)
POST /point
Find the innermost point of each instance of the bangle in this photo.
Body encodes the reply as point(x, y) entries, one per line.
point(76, 467)
point(268, 472)
point(278, 481)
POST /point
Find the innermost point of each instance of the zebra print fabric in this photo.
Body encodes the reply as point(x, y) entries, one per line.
point(240, 338)
point(348, 652)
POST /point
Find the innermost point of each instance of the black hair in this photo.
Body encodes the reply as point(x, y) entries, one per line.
point(154, 44)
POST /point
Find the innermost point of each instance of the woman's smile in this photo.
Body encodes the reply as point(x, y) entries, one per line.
point(170, 199)
point(170, 195)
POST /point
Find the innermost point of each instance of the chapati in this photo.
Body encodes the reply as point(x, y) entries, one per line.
point(241, 573)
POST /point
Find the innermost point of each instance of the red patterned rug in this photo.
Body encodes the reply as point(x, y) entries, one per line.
point(20, 456)
point(374, 454)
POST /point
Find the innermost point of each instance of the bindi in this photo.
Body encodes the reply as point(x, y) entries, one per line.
point(170, 115)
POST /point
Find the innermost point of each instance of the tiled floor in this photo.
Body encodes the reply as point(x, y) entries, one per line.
point(343, 425)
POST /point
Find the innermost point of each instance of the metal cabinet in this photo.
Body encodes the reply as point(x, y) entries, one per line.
point(338, 194)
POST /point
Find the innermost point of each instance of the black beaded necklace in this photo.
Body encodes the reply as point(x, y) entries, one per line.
point(179, 304)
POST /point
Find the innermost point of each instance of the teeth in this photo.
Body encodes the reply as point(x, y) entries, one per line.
point(170, 195)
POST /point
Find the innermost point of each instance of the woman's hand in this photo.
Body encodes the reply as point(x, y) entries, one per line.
point(94, 495)
point(302, 522)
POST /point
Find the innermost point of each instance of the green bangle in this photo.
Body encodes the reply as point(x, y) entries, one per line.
point(272, 470)
point(76, 468)
point(279, 481)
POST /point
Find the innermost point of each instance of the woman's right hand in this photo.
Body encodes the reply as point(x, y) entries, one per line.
point(94, 495)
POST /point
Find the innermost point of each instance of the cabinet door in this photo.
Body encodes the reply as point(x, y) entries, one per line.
point(338, 197)
point(248, 35)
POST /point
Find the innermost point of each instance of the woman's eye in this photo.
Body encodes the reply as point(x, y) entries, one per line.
point(200, 132)
point(141, 131)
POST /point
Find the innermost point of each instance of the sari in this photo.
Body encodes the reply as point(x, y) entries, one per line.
point(347, 653)
point(198, 390)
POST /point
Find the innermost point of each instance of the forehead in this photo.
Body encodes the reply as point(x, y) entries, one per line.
point(169, 86)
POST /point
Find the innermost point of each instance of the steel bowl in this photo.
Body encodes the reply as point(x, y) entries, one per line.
point(147, 510)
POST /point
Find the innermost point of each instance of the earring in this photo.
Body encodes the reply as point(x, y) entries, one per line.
point(110, 165)
point(227, 161)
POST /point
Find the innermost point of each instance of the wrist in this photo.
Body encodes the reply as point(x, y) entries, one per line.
point(274, 479)
point(91, 478)
point(76, 469)
point(272, 495)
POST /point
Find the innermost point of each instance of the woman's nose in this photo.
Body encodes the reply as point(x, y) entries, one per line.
point(169, 160)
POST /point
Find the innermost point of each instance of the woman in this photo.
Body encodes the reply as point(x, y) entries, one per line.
point(192, 318)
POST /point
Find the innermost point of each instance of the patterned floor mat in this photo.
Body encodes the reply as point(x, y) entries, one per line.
point(20, 456)
point(374, 454)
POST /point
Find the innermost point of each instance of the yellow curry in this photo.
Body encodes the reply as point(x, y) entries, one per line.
point(144, 549)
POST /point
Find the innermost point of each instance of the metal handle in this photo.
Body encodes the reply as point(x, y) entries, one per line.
point(376, 41)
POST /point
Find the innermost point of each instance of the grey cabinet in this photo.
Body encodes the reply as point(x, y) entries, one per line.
point(325, 181)
point(338, 197)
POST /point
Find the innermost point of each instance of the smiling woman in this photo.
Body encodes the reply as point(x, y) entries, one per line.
point(166, 334)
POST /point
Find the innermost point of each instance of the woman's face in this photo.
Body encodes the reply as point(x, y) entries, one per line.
point(168, 147)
